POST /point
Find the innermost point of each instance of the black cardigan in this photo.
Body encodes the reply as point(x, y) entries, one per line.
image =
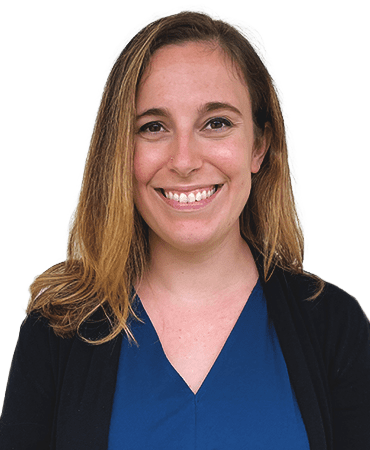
point(60, 391)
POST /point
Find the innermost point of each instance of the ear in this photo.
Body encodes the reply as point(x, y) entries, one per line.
point(261, 146)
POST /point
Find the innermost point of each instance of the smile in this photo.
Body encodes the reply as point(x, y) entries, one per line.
point(196, 195)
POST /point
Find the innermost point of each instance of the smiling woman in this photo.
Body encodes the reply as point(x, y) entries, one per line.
point(184, 294)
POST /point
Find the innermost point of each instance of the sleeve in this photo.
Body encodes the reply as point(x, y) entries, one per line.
point(350, 384)
point(26, 420)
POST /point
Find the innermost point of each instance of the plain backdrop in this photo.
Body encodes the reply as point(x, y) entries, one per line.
point(55, 59)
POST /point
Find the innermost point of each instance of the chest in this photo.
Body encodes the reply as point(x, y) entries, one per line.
point(192, 342)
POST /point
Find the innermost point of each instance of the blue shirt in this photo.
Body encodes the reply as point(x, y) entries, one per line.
point(246, 400)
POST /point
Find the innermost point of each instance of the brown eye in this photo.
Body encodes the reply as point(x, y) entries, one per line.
point(218, 123)
point(152, 127)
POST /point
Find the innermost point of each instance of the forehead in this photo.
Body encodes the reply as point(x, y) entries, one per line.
point(191, 70)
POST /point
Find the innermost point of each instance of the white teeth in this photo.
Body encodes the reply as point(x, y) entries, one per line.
point(190, 198)
point(183, 198)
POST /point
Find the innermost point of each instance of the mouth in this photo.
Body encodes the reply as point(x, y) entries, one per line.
point(193, 196)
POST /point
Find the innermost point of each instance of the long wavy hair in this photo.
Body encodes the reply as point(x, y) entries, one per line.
point(108, 249)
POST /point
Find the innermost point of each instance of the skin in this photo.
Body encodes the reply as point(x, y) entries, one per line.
point(194, 250)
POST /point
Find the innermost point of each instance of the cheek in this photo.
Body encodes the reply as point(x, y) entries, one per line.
point(233, 158)
point(140, 170)
point(147, 161)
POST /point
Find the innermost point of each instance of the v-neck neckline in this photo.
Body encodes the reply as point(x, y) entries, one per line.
point(143, 315)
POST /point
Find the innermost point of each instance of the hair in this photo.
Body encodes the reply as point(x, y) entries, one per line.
point(108, 248)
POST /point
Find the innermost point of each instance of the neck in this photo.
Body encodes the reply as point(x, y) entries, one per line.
point(199, 277)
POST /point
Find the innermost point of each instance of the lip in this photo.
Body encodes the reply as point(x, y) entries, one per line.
point(187, 188)
point(189, 206)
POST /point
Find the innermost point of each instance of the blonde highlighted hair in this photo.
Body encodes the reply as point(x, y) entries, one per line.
point(108, 247)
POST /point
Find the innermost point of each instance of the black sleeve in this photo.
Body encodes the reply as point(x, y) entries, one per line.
point(27, 417)
point(350, 382)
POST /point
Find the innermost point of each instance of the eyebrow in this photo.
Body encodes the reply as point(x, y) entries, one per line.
point(208, 107)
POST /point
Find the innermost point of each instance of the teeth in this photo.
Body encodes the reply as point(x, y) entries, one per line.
point(183, 198)
point(191, 197)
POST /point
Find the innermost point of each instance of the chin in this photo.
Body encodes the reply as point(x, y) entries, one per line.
point(193, 241)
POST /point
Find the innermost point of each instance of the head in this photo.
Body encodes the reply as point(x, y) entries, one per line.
point(108, 246)
point(108, 228)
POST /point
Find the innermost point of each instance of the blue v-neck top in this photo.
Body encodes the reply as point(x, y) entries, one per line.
point(245, 402)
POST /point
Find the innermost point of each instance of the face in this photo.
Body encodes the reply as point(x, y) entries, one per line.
point(194, 151)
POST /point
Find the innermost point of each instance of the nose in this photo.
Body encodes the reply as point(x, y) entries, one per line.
point(185, 155)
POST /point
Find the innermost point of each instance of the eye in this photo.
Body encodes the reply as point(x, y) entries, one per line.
point(152, 127)
point(218, 123)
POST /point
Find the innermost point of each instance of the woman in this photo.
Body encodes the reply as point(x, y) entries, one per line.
point(182, 317)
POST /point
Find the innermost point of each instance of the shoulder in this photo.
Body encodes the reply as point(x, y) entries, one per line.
point(333, 324)
point(334, 315)
point(41, 354)
point(38, 344)
point(332, 298)
point(38, 327)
